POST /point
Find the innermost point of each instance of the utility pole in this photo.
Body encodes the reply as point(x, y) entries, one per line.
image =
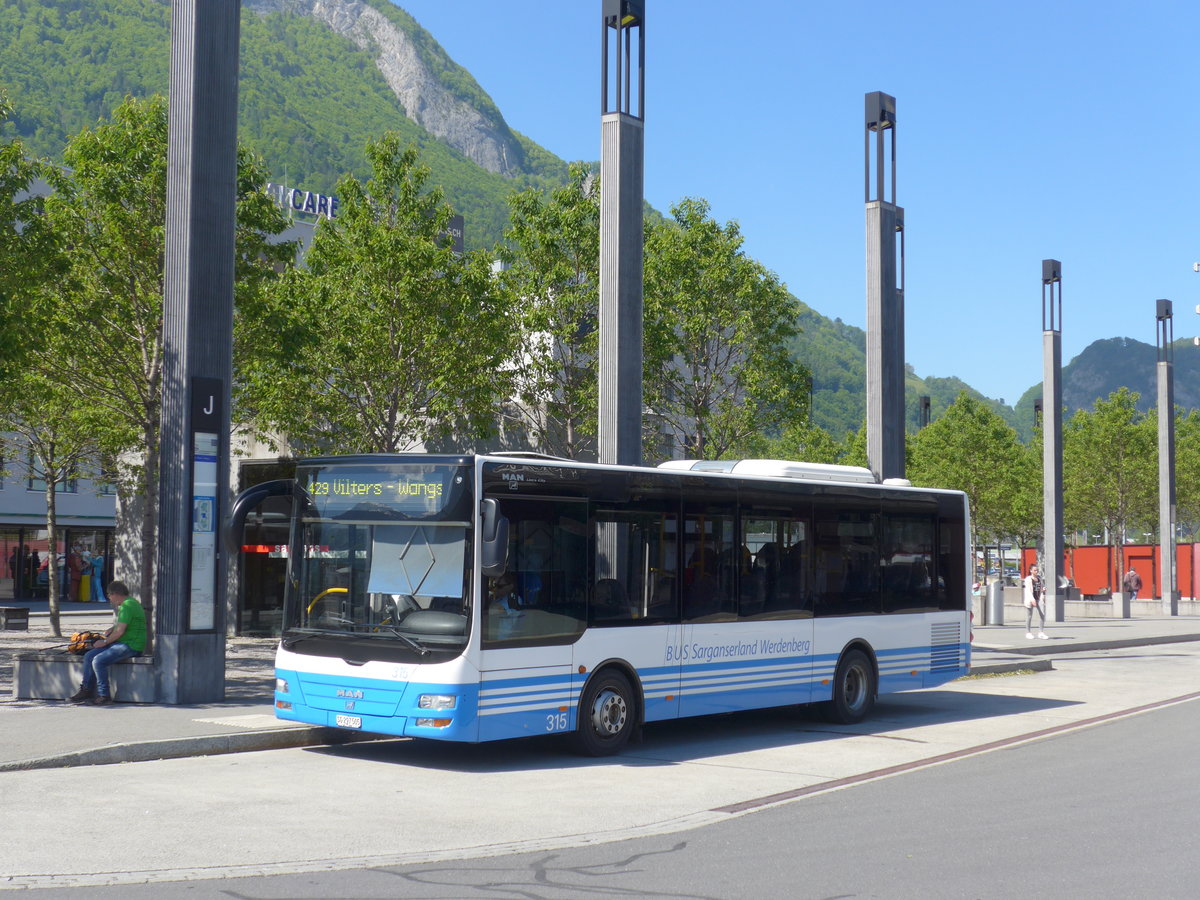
point(622, 141)
point(885, 293)
point(1052, 475)
point(1165, 339)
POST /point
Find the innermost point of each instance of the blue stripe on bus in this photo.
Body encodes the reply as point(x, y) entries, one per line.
point(516, 705)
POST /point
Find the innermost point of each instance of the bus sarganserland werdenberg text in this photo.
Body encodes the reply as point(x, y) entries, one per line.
point(477, 598)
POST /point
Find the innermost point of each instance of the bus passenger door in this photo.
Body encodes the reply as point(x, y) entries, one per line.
point(633, 606)
point(532, 614)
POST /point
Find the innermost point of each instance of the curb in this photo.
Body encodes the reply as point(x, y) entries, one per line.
point(179, 748)
point(1024, 665)
point(1049, 648)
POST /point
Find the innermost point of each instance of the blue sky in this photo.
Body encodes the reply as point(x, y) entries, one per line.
point(1026, 130)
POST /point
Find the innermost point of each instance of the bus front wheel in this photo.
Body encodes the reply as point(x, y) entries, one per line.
point(853, 689)
point(606, 715)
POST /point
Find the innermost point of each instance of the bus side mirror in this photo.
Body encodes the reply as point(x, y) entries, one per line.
point(493, 542)
point(247, 500)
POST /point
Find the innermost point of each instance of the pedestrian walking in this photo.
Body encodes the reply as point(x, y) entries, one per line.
point(1034, 592)
point(1131, 583)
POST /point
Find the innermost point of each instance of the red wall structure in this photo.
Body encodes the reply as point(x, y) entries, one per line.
point(1093, 569)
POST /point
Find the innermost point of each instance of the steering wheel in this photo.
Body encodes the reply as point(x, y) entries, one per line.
point(396, 609)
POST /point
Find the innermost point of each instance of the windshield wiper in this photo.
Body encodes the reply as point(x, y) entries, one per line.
point(354, 628)
point(370, 627)
point(291, 638)
point(414, 644)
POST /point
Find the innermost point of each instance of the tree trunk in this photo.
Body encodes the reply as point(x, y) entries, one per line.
point(149, 532)
point(52, 553)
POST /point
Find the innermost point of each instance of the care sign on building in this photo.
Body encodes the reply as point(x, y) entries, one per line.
point(302, 201)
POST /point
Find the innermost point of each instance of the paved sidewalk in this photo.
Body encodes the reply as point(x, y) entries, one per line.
point(46, 734)
point(50, 733)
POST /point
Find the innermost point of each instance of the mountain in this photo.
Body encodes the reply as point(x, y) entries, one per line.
point(836, 354)
point(1105, 366)
point(318, 78)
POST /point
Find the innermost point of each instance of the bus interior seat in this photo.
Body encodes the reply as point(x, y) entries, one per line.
point(609, 600)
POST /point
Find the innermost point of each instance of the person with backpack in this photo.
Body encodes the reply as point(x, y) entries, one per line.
point(1131, 583)
point(127, 638)
point(1034, 592)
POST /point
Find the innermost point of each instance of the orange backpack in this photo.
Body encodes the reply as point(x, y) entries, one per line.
point(81, 641)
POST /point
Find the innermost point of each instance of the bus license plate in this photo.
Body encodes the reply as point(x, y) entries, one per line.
point(348, 721)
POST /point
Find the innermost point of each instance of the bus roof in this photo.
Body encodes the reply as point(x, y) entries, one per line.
point(775, 468)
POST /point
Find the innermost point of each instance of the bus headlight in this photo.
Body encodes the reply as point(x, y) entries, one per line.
point(434, 723)
point(437, 701)
point(281, 686)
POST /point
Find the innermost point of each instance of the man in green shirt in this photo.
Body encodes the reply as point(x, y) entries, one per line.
point(125, 639)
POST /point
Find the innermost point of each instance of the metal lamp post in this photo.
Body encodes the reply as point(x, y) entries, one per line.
point(1165, 336)
point(622, 138)
point(1052, 513)
point(885, 293)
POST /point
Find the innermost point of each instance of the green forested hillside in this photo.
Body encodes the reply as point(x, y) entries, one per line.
point(309, 99)
point(1106, 366)
point(836, 354)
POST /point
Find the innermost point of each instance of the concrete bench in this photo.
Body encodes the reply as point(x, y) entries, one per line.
point(14, 618)
point(56, 675)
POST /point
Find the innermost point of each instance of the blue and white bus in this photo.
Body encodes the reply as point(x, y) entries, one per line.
point(482, 597)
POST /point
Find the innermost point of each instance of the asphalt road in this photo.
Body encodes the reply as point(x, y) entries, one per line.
point(1102, 811)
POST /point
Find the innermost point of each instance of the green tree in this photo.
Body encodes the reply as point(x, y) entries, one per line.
point(100, 321)
point(805, 443)
point(1110, 468)
point(1026, 512)
point(388, 338)
point(1187, 470)
point(44, 421)
point(717, 326)
point(552, 279)
point(25, 254)
point(854, 447)
point(972, 449)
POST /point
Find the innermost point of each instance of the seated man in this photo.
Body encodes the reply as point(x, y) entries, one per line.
point(127, 638)
point(505, 595)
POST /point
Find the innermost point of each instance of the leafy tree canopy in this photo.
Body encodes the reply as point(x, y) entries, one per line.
point(388, 339)
point(973, 450)
point(717, 324)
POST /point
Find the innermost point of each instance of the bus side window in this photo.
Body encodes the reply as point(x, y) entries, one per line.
point(634, 557)
point(846, 561)
point(538, 598)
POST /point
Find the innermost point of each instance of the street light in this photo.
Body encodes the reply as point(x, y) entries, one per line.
point(1166, 456)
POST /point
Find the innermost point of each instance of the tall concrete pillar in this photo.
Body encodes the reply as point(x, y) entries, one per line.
point(885, 294)
point(197, 350)
point(621, 193)
point(1168, 586)
point(1052, 494)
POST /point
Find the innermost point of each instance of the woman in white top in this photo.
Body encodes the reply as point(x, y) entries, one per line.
point(1034, 592)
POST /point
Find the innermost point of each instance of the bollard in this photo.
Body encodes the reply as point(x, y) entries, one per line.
point(979, 607)
point(995, 603)
point(1120, 605)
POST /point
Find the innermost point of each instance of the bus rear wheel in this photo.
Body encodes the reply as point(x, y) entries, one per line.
point(853, 689)
point(606, 715)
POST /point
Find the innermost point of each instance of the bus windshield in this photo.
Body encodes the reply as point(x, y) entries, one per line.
point(381, 553)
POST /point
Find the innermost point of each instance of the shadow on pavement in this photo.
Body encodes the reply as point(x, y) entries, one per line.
point(668, 743)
